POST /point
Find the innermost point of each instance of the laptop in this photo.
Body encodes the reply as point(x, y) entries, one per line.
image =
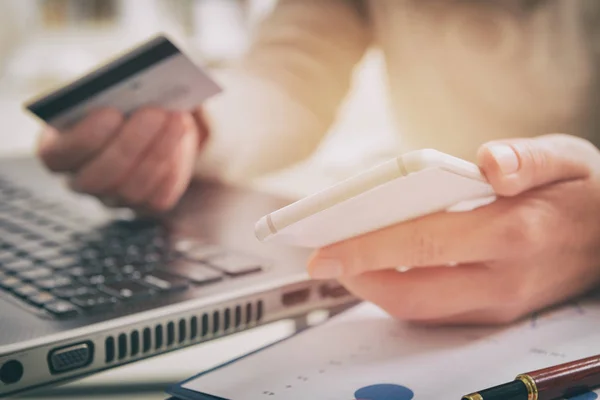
point(85, 289)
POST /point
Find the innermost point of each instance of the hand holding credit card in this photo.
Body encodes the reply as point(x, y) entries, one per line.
point(154, 73)
point(129, 132)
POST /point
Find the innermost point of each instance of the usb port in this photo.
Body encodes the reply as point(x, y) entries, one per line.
point(295, 297)
point(329, 290)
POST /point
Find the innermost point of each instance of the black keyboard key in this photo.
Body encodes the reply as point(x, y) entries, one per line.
point(61, 308)
point(26, 291)
point(126, 289)
point(235, 264)
point(54, 282)
point(151, 258)
point(46, 253)
point(128, 269)
point(114, 247)
point(36, 273)
point(165, 282)
point(41, 298)
point(134, 251)
point(18, 265)
point(6, 256)
point(110, 263)
point(95, 280)
point(196, 272)
point(77, 271)
point(26, 245)
point(62, 262)
point(11, 282)
point(81, 272)
point(79, 252)
point(69, 248)
point(129, 272)
point(94, 300)
point(67, 292)
point(196, 251)
point(12, 238)
point(34, 238)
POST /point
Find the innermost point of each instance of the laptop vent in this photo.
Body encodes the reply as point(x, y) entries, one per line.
point(171, 334)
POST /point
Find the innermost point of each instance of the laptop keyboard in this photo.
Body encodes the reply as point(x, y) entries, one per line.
point(59, 264)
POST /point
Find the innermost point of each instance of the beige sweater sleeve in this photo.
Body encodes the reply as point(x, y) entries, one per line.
point(280, 99)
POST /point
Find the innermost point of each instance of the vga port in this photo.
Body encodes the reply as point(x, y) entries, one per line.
point(71, 357)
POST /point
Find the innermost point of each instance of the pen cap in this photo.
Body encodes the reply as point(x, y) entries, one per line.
point(567, 379)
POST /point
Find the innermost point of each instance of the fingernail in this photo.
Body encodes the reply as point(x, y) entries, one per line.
point(326, 269)
point(506, 158)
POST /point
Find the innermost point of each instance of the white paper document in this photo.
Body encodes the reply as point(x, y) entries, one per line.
point(366, 349)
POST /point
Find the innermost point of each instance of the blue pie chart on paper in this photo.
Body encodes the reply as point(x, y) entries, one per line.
point(389, 392)
point(397, 392)
point(585, 396)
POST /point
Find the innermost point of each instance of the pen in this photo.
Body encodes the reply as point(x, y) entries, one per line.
point(552, 383)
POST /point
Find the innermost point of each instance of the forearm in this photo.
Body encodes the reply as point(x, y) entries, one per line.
point(256, 128)
point(281, 98)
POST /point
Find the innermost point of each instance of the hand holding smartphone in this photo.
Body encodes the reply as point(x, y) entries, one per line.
point(413, 185)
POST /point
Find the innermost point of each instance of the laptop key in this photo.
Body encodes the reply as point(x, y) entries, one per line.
point(62, 262)
point(128, 269)
point(12, 238)
point(81, 272)
point(94, 280)
point(88, 253)
point(69, 248)
point(151, 258)
point(41, 298)
point(94, 300)
point(46, 253)
point(67, 292)
point(6, 256)
point(126, 290)
point(165, 282)
point(54, 282)
point(110, 263)
point(29, 246)
point(61, 308)
point(26, 291)
point(197, 251)
point(194, 271)
point(235, 264)
point(11, 282)
point(18, 265)
point(36, 273)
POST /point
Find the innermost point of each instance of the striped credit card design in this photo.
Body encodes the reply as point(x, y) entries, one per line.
point(156, 73)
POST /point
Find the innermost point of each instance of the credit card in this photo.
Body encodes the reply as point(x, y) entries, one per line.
point(155, 73)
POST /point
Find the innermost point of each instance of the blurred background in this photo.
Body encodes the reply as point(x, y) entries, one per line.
point(44, 43)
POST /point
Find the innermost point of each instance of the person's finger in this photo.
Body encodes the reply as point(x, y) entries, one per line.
point(176, 181)
point(433, 293)
point(496, 231)
point(68, 151)
point(516, 165)
point(156, 161)
point(119, 157)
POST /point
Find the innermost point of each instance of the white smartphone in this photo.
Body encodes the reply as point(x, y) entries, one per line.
point(413, 185)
